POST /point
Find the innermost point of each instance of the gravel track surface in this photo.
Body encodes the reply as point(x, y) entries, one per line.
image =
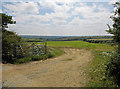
point(67, 70)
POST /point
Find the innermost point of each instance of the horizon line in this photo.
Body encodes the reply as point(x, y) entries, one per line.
point(65, 35)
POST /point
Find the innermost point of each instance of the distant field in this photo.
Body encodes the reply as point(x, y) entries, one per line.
point(81, 45)
point(62, 38)
point(99, 39)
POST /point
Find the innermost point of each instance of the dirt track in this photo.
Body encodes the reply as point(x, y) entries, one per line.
point(64, 71)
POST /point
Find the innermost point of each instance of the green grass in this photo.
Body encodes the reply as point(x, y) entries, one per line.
point(97, 71)
point(80, 44)
point(55, 51)
point(52, 52)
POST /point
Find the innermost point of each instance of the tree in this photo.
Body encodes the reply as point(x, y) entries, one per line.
point(9, 38)
point(115, 30)
point(5, 20)
point(113, 67)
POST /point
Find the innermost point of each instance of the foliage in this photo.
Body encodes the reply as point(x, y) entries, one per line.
point(113, 67)
point(33, 58)
point(6, 20)
point(9, 38)
point(97, 70)
point(99, 40)
point(52, 52)
point(115, 29)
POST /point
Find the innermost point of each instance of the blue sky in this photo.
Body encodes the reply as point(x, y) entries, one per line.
point(58, 17)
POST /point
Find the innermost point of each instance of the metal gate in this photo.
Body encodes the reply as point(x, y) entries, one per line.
point(26, 49)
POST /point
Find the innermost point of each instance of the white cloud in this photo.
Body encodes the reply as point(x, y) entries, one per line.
point(112, 1)
point(22, 8)
point(65, 20)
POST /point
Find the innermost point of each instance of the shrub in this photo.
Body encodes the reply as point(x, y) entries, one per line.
point(9, 38)
point(113, 68)
point(34, 58)
point(114, 65)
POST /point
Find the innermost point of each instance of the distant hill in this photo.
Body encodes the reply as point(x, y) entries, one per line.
point(42, 37)
point(45, 37)
point(63, 38)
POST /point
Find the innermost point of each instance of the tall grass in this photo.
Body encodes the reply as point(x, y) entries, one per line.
point(97, 70)
point(52, 52)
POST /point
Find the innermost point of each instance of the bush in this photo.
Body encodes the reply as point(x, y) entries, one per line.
point(113, 68)
point(9, 38)
point(34, 58)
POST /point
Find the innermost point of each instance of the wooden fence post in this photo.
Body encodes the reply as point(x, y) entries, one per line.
point(45, 47)
point(33, 48)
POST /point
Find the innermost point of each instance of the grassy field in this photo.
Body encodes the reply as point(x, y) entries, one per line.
point(100, 39)
point(96, 69)
point(81, 45)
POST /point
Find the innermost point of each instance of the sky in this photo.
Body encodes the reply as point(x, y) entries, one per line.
point(59, 17)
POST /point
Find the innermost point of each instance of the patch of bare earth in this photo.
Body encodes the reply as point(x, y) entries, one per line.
point(67, 70)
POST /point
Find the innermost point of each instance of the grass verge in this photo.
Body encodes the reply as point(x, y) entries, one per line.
point(52, 52)
point(97, 71)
